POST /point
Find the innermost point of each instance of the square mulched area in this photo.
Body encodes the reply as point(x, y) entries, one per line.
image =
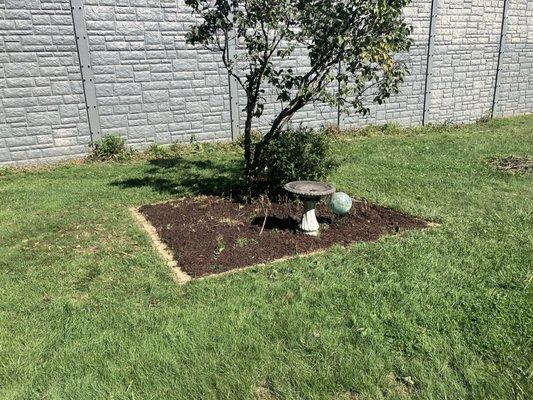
point(212, 235)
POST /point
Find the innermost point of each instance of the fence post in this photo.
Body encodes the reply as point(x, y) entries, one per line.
point(429, 60)
point(233, 84)
point(501, 52)
point(87, 75)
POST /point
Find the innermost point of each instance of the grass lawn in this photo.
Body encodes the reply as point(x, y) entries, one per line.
point(89, 311)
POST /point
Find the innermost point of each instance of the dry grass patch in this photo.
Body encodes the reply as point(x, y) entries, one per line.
point(512, 164)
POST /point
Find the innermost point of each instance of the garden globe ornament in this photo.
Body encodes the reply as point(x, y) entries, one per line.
point(340, 203)
point(310, 192)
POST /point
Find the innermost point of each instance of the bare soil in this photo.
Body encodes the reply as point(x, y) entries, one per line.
point(211, 235)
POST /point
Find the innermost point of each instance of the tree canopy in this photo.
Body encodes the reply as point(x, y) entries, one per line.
point(360, 36)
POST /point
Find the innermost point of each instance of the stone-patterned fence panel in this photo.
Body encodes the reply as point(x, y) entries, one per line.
point(470, 59)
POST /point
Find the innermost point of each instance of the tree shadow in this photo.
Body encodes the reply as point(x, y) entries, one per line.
point(276, 223)
point(178, 175)
point(284, 223)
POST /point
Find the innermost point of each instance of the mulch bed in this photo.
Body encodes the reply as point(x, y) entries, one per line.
point(211, 235)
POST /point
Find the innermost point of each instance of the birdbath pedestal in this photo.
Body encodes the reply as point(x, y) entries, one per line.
point(310, 192)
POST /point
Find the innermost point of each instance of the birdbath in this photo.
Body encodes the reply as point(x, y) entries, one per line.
point(310, 192)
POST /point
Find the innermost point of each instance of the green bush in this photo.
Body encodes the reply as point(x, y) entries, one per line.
point(159, 151)
point(111, 147)
point(297, 154)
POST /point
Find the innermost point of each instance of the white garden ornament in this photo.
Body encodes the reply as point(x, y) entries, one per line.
point(310, 192)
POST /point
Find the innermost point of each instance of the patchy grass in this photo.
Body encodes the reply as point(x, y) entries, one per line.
point(89, 310)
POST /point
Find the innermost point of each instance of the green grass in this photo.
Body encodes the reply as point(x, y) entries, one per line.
point(89, 311)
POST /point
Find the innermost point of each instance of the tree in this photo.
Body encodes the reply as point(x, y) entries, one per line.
point(362, 36)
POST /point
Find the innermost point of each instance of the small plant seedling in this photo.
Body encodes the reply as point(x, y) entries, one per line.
point(159, 151)
point(266, 205)
point(230, 221)
point(243, 242)
point(221, 245)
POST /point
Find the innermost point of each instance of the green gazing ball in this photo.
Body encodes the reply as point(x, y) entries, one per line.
point(340, 203)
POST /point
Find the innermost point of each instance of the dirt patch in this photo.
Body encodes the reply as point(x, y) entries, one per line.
point(347, 396)
point(212, 235)
point(513, 164)
point(400, 388)
point(263, 392)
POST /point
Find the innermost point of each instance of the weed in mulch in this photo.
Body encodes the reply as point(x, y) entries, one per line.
point(243, 242)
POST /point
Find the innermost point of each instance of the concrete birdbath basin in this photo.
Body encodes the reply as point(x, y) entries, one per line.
point(310, 192)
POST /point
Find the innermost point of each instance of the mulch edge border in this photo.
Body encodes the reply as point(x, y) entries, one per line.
point(262, 265)
point(181, 277)
point(161, 248)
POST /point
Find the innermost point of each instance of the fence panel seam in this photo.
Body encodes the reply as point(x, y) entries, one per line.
point(429, 60)
point(501, 53)
point(87, 75)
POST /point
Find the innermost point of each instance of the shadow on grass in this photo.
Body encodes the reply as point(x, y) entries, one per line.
point(186, 176)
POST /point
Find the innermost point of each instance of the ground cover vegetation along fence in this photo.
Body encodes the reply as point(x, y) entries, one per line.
point(72, 71)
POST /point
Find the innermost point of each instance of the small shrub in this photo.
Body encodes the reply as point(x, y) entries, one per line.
point(297, 154)
point(111, 147)
point(159, 151)
point(391, 129)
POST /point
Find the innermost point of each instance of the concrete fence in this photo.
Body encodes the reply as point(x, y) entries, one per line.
point(72, 69)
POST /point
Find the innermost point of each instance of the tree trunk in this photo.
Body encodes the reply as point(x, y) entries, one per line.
point(248, 144)
point(253, 95)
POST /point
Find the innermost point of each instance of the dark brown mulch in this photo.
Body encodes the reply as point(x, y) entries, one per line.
point(210, 235)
